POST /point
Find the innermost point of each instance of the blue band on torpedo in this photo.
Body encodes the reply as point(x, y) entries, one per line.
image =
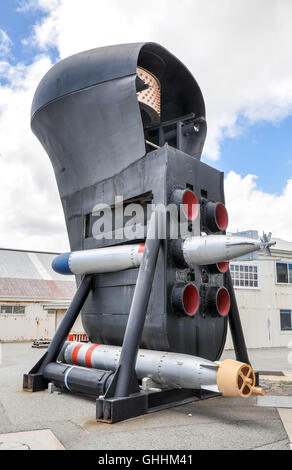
point(61, 264)
point(66, 377)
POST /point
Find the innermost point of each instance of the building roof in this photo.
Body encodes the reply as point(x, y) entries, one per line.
point(28, 275)
point(282, 245)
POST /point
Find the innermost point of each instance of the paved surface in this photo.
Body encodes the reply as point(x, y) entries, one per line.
point(217, 423)
point(30, 440)
point(286, 416)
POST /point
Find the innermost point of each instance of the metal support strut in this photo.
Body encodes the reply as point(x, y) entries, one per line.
point(34, 380)
point(235, 325)
point(125, 382)
point(133, 334)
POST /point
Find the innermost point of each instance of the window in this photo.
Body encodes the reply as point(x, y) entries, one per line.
point(284, 273)
point(19, 309)
point(245, 276)
point(286, 319)
point(6, 309)
point(51, 312)
point(13, 309)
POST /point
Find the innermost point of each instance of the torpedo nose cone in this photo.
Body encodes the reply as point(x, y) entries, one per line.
point(61, 264)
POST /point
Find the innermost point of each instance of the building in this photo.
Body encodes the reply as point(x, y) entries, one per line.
point(263, 288)
point(34, 299)
point(32, 296)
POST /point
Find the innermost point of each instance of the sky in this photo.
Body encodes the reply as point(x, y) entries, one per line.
point(241, 58)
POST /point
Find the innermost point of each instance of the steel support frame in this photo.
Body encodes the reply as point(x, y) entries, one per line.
point(236, 330)
point(113, 410)
point(123, 399)
point(34, 380)
point(235, 325)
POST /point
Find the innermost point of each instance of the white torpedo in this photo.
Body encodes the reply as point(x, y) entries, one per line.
point(101, 260)
point(198, 250)
point(213, 249)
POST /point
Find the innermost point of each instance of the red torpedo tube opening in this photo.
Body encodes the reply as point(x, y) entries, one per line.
point(221, 216)
point(190, 205)
point(223, 302)
point(215, 216)
point(217, 301)
point(218, 268)
point(186, 200)
point(223, 266)
point(191, 299)
point(185, 299)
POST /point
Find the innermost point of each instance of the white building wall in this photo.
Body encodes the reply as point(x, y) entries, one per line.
point(35, 323)
point(260, 308)
point(77, 327)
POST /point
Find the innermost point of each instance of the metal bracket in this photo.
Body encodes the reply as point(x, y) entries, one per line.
point(113, 410)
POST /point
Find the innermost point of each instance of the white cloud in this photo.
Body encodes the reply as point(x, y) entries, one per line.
point(44, 5)
point(5, 43)
point(239, 54)
point(251, 208)
point(30, 211)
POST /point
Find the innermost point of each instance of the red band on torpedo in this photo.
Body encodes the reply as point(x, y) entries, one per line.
point(141, 248)
point(75, 353)
point(89, 354)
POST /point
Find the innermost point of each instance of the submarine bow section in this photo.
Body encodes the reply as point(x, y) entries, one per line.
point(129, 120)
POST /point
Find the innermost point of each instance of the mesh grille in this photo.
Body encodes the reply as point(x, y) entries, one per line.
point(151, 96)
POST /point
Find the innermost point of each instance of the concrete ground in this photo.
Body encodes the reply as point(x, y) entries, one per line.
point(217, 423)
